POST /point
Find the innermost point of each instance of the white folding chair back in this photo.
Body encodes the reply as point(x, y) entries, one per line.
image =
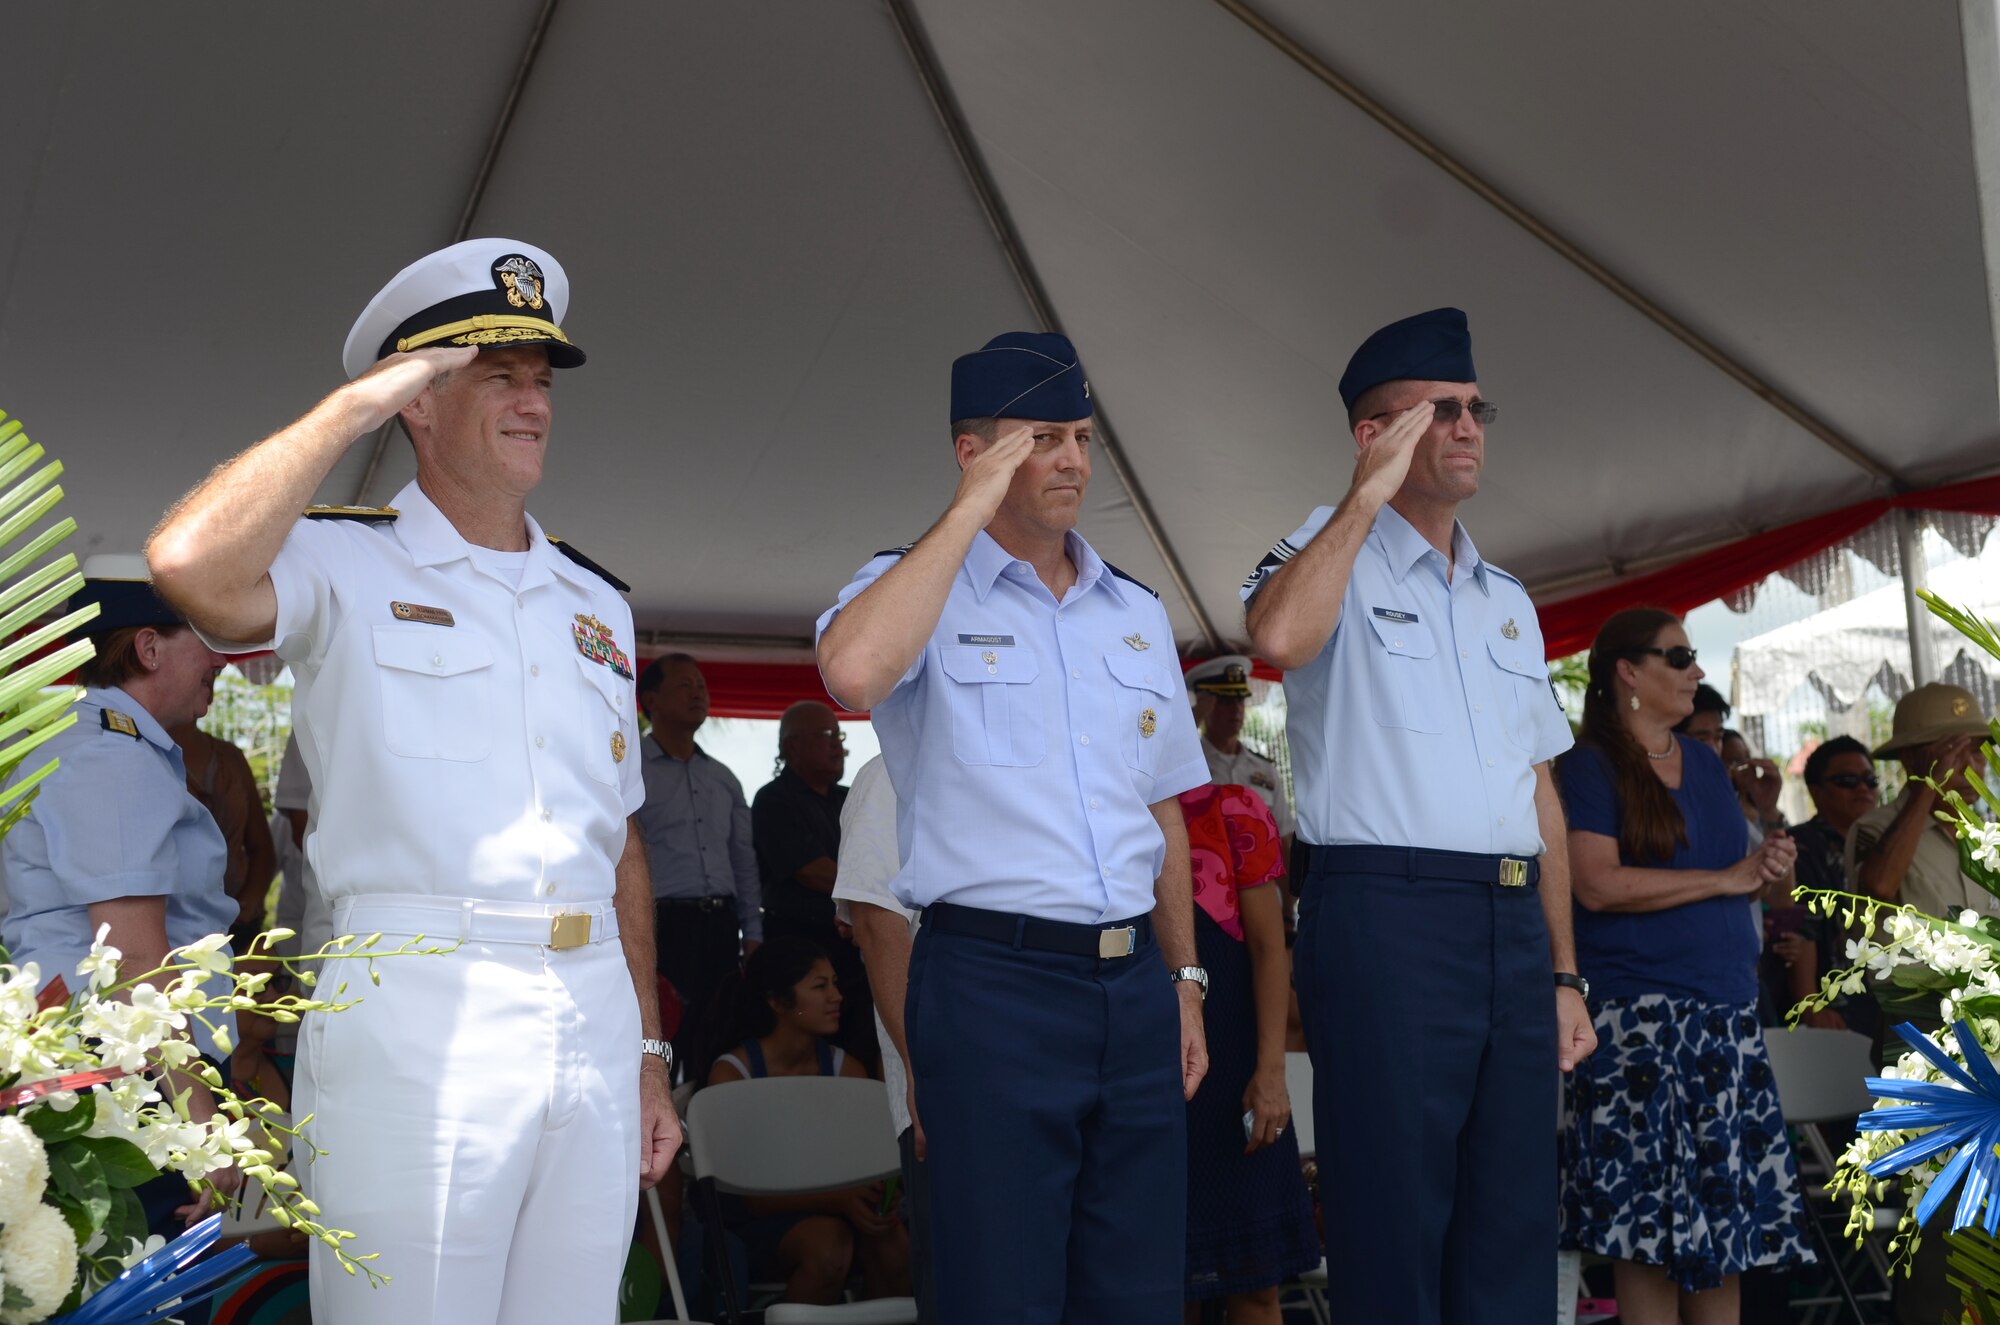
point(780, 1136)
point(1820, 1073)
point(784, 1136)
point(1299, 1085)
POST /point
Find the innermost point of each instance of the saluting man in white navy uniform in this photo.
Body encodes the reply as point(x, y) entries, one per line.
point(464, 706)
point(1436, 905)
point(1029, 704)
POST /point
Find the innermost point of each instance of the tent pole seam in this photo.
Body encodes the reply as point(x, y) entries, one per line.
point(1570, 252)
point(474, 196)
point(959, 134)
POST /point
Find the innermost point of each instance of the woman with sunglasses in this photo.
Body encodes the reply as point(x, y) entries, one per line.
point(1674, 1157)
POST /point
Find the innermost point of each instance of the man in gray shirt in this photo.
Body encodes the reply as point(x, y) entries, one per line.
point(696, 827)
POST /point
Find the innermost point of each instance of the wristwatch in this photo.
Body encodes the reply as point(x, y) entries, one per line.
point(660, 1049)
point(1569, 980)
point(1194, 973)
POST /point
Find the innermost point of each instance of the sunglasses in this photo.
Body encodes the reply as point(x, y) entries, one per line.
point(1680, 657)
point(1849, 781)
point(1447, 411)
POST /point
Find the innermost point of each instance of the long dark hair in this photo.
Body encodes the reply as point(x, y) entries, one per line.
point(742, 1008)
point(1650, 825)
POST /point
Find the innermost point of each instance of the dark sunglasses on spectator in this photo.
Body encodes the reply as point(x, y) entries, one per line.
point(1483, 411)
point(1680, 657)
point(1849, 781)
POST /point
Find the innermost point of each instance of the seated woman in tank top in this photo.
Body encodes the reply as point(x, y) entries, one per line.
point(787, 1007)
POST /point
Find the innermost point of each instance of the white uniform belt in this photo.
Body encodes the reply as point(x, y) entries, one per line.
point(469, 919)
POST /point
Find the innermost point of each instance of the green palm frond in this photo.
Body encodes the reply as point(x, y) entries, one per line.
point(1972, 1266)
point(33, 585)
point(1976, 628)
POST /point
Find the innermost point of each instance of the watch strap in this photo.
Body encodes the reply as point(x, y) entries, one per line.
point(1570, 980)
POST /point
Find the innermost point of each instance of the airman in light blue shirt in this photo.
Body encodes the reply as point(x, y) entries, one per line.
point(1034, 734)
point(1421, 720)
point(1434, 918)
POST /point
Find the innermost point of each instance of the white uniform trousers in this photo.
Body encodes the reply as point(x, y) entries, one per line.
point(481, 1117)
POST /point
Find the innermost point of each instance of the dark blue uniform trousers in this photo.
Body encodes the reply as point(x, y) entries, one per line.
point(1430, 1014)
point(1049, 1090)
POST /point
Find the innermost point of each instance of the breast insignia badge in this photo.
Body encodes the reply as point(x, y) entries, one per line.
point(1149, 722)
point(1510, 630)
point(989, 657)
point(617, 747)
point(595, 642)
point(1137, 641)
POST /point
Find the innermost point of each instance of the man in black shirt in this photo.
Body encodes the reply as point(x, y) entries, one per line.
point(795, 824)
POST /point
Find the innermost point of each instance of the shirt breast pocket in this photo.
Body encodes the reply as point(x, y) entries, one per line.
point(1143, 690)
point(1403, 676)
point(608, 725)
point(995, 710)
point(1520, 683)
point(436, 688)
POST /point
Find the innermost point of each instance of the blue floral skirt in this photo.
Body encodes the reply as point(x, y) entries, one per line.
point(1674, 1150)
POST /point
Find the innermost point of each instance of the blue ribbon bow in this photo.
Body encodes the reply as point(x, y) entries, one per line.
point(1966, 1115)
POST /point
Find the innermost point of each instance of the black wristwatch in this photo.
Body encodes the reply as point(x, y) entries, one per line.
point(1569, 980)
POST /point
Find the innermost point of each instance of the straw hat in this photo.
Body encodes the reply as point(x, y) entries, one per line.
point(1932, 712)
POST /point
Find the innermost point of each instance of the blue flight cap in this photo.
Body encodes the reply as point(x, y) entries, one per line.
point(121, 587)
point(1430, 347)
point(1021, 375)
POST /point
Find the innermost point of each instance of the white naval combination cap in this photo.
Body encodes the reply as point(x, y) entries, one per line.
point(486, 293)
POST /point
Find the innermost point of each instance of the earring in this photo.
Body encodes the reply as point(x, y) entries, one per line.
point(1635, 703)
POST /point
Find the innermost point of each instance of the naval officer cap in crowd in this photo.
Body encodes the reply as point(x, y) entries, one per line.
point(1227, 677)
point(483, 293)
point(1021, 375)
point(1426, 347)
point(121, 585)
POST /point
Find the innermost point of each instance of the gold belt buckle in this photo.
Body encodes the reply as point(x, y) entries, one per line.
point(1120, 942)
point(1513, 873)
point(571, 929)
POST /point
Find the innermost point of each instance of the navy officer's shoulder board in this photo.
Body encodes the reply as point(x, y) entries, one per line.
point(114, 721)
point(369, 514)
point(589, 565)
point(894, 551)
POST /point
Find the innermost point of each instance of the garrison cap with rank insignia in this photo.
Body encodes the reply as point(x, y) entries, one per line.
point(1429, 347)
point(122, 587)
point(1227, 677)
point(1021, 375)
point(484, 293)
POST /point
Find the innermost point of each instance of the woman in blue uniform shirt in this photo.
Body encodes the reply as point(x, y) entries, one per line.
point(114, 837)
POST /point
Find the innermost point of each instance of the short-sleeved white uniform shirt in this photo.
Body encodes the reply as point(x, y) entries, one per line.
point(465, 735)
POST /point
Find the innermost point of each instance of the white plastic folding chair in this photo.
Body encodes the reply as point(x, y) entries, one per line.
point(788, 1136)
point(1820, 1077)
point(1299, 1086)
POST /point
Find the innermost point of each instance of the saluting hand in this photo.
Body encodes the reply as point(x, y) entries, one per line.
point(983, 484)
point(401, 378)
point(1384, 461)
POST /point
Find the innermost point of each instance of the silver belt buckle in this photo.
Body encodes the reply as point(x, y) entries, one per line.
point(1513, 873)
point(1120, 942)
point(569, 930)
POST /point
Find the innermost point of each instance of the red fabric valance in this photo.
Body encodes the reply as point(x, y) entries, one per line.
point(1569, 624)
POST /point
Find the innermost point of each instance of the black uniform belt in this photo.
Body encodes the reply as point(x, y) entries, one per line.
point(1415, 863)
point(1119, 939)
point(713, 902)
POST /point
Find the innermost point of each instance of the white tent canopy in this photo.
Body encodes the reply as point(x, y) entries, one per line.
point(1727, 269)
point(1840, 651)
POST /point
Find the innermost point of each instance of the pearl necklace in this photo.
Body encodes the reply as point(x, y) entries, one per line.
point(1668, 753)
